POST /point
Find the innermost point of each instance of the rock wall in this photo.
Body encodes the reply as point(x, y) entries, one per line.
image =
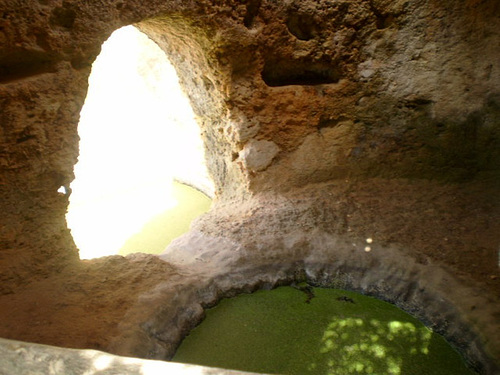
point(287, 94)
point(340, 88)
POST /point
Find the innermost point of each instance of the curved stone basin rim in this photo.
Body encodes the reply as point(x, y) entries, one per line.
point(167, 327)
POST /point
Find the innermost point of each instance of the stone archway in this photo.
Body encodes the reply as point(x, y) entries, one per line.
point(137, 135)
point(43, 93)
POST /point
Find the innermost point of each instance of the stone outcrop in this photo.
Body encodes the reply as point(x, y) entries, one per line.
point(288, 94)
point(22, 358)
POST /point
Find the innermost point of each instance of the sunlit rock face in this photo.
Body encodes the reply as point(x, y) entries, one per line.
point(366, 91)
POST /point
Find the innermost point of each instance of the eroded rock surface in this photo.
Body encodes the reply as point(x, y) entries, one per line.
point(345, 90)
point(393, 89)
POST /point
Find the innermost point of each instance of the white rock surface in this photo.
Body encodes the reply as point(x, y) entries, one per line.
point(21, 358)
point(258, 155)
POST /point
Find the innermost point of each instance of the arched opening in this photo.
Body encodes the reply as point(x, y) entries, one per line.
point(140, 148)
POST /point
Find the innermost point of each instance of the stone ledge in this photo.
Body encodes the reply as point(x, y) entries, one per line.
point(23, 358)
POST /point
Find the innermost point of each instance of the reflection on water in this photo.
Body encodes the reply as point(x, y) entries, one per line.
point(371, 353)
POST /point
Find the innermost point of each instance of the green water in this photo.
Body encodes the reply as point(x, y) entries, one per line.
point(336, 332)
point(163, 228)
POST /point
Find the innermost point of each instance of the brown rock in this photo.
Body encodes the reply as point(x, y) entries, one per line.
point(385, 113)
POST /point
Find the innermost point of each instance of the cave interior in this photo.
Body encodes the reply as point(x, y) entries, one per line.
point(324, 124)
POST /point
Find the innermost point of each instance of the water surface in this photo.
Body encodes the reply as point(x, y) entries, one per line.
point(305, 330)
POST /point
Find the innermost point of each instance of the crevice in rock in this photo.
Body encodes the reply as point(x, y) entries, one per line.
point(25, 64)
point(327, 122)
point(302, 26)
point(418, 103)
point(287, 73)
point(384, 22)
point(64, 16)
point(253, 7)
point(25, 138)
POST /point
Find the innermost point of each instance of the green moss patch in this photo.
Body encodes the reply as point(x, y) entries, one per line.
point(163, 228)
point(317, 331)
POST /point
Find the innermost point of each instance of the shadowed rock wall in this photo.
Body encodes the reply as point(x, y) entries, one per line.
point(287, 93)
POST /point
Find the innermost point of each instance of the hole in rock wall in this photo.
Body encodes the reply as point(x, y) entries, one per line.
point(252, 10)
point(297, 72)
point(20, 64)
point(138, 141)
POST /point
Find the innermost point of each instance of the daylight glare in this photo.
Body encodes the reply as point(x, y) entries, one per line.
point(137, 132)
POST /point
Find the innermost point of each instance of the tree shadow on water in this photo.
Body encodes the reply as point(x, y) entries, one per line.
point(356, 346)
point(303, 330)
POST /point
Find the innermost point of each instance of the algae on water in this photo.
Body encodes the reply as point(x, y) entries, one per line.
point(285, 331)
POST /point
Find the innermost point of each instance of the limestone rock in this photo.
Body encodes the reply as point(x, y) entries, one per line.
point(258, 155)
point(240, 128)
point(23, 358)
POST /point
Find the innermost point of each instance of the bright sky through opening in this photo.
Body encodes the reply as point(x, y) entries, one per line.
point(137, 132)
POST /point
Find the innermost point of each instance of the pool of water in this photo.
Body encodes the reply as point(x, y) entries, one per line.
point(157, 234)
point(306, 330)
